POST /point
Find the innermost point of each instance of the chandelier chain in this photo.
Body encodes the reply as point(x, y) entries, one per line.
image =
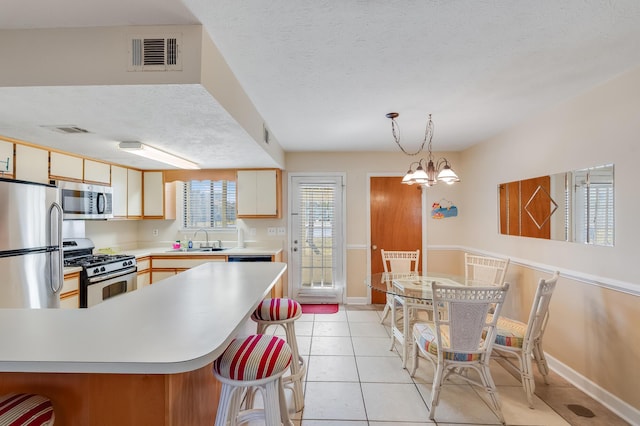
point(428, 135)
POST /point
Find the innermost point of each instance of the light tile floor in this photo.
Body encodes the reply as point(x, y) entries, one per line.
point(354, 379)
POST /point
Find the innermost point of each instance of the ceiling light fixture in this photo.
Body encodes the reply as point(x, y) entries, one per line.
point(155, 154)
point(426, 173)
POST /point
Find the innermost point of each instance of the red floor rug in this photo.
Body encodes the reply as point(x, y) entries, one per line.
point(325, 308)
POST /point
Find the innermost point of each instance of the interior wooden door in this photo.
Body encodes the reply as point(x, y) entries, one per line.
point(396, 221)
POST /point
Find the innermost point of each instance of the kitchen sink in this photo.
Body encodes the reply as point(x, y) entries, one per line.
point(197, 250)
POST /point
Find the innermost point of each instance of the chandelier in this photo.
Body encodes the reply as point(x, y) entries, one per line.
point(426, 172)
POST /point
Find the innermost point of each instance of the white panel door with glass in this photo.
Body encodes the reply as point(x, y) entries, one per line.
point(317, 240)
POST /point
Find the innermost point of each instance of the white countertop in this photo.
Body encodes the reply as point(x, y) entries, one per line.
point(231, 251)
point(179, 324)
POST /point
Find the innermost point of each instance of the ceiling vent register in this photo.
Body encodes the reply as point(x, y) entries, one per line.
point(67, 129)
point(154, 53)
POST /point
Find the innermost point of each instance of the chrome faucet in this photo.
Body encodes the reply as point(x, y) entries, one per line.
point(206, 235)
point(219, 243)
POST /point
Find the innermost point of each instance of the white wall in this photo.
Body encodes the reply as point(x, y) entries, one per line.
point(599, 127)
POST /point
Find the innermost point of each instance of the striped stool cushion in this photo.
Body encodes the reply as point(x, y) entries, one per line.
point(425, 334)
point(253, 358)
point(277, 309)
point(510, 332)
point(21, 409)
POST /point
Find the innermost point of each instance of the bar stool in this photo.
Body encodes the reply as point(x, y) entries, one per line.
point(255, 362)
point(284, 312)
point(18, 409)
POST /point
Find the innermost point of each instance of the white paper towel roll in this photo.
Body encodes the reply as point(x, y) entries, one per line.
point(240, 238)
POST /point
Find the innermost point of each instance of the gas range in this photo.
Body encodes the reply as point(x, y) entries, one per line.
point(103, 275)
point(96, 264)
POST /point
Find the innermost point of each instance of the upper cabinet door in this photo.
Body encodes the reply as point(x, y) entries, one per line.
point(6, 158)
point(65, 167)
point(119, 186)
point(97, 172)
point(32, 164)
point(134, 193)
point(258, 194)
point(153, 205)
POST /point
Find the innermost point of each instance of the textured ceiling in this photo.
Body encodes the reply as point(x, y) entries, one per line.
point(324, 73)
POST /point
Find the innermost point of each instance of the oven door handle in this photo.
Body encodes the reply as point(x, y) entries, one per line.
point(116, 274)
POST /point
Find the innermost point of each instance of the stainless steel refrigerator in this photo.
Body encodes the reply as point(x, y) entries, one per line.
point(31, 264)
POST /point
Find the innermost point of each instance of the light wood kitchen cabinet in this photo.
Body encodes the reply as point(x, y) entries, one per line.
point(66, 167)
point(6, 158)
point(97, 172)
point(159, 275)
point(166, 266)
point(259, 193)
point(134, 193)
point(159, 199)
point(119, 187)
point(143, 278)
point(70, 293)
point(153, 190)
point(32, 164)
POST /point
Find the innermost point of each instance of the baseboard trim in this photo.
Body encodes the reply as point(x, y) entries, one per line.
point(606, 398)
point(357, 301)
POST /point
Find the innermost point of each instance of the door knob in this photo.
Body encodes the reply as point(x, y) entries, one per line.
point(374, 247)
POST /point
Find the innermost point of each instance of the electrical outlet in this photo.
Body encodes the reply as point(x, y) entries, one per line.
point(271, 231)
point(282, 231)
point(155, 232)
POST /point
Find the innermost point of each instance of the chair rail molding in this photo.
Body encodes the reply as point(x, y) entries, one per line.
point(608, 283)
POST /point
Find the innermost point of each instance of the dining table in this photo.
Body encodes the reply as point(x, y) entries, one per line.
point(411, 292)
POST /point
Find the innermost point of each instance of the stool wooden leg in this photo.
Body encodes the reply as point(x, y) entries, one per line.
point(298, 368)
point(226, 405)
point(284, 410)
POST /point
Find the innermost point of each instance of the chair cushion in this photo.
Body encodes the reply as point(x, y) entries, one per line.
point(253, 358)
point(425, 335)
point(277, 309)
point(510, 332)
point(19, 409)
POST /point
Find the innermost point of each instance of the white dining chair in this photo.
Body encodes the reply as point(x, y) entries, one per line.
point(484, 270)
point(460, 337)
point(398, 261)
point(524, 340)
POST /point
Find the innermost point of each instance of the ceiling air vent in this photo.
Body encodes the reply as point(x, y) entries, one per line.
point(67, 129)
point(154, 53)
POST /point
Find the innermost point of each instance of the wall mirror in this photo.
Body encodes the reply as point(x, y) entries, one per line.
point(573, 206)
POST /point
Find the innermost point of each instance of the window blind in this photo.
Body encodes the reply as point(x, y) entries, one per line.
point(209, 204)
point(317, 229)
point(594, 199)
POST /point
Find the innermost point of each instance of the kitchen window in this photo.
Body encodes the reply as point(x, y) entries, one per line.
point(209, 204)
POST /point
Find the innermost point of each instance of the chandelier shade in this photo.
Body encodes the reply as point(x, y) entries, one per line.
point(427, 172)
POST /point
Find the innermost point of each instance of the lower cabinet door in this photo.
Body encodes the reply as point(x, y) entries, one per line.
point(70, 300)
point(160, 275)
point(143, 279)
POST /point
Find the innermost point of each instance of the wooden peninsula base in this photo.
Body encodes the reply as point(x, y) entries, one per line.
point(81, 399)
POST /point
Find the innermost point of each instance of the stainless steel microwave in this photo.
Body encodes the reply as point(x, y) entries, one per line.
point(85, 201)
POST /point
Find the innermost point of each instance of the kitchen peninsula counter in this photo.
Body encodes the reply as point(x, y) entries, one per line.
point(141, 358)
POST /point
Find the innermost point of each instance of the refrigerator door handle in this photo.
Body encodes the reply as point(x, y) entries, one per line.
point(58, 222)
